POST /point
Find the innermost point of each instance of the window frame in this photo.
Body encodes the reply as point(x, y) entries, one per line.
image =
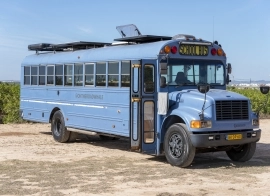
point(67, 75)
point(42, 75)
point(125, 74)
point(58, 75)
point(24, 75)
point(86, 74)
point(113, 74)
point(101, 74)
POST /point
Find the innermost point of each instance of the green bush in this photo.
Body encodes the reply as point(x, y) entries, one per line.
point(9, 103)
point(256, 97)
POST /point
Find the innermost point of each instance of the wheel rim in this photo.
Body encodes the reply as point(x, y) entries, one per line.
point(57, 126)
point(176, 145)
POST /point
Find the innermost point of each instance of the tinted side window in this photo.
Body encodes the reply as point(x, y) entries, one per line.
point(42, 75)
point(125, 74)
point(58, 74)
point(89, 74)
point(68, 75)
point(78, 74)
point(50, 75)
point(27, 75)
point(101, 74)
point(34, 75)
point(149, 82)
point(113, 74)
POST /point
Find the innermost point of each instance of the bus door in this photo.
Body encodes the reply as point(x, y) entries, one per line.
point(143, 106)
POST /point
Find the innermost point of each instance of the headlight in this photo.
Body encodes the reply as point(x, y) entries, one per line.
point(255, 122)
point(197, 124)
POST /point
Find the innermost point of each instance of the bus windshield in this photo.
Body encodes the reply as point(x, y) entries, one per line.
point(192, 72)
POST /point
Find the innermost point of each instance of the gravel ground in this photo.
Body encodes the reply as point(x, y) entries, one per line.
point(32, 163)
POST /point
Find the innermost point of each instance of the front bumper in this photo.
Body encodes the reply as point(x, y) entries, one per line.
point(205, 140)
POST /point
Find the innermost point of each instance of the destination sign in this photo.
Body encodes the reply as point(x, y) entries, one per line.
point(193, 50)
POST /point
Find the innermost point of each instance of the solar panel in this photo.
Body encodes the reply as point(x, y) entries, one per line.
point(143, 38)
point(66, 46)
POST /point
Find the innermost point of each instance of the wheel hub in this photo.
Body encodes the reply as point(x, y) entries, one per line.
point(176, 145)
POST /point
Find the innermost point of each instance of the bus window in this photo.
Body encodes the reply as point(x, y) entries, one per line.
point(78, 74)
point(68, 75)
point(34, 75)
point(113, 74)
point(58, 74)
point(50, 74)
point(149, 122)
point(89, 74)
point(125, 74)
point(27, 75)
point(42, 75)
point(149, 79)
point(101, 74)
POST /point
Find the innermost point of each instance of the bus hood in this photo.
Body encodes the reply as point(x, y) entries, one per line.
point(213, 94)
point(192, 99)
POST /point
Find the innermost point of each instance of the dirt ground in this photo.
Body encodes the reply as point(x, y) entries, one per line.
point(32, 163)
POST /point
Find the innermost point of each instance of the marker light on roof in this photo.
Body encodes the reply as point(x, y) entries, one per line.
point(173, 49)
point(213, 51)
point(167, 49)
point(219, 52)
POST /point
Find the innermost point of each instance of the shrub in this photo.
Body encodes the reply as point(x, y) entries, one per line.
point(9, 103)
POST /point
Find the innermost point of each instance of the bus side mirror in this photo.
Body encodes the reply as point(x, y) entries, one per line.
point(228, 79)
point(264, 89)
point(163, 68)
point(229, 68)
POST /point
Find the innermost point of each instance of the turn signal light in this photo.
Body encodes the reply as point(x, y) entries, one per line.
point(219, 52)
point(197, 124)
point(167, 49)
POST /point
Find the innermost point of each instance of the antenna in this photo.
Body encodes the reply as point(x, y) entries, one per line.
point(213, 28)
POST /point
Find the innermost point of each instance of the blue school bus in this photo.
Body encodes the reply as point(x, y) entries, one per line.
point(166, 94)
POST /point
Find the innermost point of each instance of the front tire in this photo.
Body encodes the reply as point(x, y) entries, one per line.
point(58, 128)
point(242, 153)
point(179, 150)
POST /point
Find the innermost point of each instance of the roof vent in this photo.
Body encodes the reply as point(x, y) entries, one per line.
point(130, 30)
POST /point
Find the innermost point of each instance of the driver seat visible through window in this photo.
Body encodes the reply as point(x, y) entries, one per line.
point(180, 78)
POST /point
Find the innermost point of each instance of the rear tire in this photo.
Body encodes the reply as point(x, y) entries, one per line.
point(242, 153)
point(58, 128)
point(178, 148)
point(73, 136)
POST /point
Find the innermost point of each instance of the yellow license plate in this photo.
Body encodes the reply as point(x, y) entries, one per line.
point(234, 137)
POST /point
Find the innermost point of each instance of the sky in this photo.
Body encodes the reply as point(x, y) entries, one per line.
point(242, 27)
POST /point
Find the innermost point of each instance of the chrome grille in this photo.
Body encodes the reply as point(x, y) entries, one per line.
point(232, 110)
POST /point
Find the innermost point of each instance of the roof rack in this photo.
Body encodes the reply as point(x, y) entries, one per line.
point(66, 46)
point(143, 38)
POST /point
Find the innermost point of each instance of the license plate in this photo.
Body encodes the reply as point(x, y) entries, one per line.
point(234, 137)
